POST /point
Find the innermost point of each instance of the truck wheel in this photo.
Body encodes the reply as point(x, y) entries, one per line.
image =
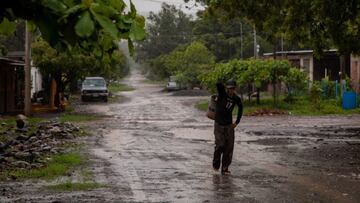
point(105, 99)
point(83, 99)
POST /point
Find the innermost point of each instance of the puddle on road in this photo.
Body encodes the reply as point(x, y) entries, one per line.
point(205, 135)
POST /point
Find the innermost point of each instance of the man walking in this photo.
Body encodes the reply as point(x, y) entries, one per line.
point(224, 126)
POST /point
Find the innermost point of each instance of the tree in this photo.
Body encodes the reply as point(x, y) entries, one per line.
point(69, 67)
point(69, 23)
point(165, 31)
point(320, 24)
point(249, 72)
point(223, 37)
point(187, 63)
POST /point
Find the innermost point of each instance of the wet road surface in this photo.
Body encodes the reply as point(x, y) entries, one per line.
point(155, 147)
point(160, 149)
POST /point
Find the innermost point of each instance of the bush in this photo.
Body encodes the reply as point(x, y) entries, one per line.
point(315, 95)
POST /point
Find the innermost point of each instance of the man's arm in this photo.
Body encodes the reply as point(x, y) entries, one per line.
point(220, 89)
point(240, 111)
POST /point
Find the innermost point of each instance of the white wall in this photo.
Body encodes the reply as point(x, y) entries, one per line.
point(36, 80)
point(308, 65)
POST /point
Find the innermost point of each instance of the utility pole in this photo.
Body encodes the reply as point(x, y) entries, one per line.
point(27, 99)
point(255, 44)
point(241, 41)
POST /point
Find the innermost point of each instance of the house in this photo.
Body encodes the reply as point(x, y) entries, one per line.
point(12, 82)
point(11, 85)
point(327, 66)
point(36, 77)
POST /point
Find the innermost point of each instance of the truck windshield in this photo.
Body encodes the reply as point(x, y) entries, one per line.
point(94, 82)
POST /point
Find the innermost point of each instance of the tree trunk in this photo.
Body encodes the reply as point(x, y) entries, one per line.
point(258, 95)
point(58, 88)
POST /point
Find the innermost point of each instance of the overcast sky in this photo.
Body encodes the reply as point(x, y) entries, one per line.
point(145, 6)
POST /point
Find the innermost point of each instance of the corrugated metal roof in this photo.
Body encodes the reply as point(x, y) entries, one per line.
point(298, 52)
point(12, 61)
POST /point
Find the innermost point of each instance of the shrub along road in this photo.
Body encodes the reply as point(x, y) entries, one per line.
point(155, 147)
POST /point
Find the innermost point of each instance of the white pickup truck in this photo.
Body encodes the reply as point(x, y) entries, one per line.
point(94, 88)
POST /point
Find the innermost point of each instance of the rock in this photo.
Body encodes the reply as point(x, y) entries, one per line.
point(14, 142)
point(54, 151)
point(20, 147)
point(33, 139)
point(21, 164)
point(9, 159)
point(2, 158)
point(21, 121)
point(23, 155)
point(21, 137)
point(45, 148)
point(36, 165)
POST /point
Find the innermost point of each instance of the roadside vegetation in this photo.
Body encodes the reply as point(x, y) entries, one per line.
point(57, 159)
point(119, 87)
point(218, 45)
point(60, 165)
point(301, 107)
point(71, 117)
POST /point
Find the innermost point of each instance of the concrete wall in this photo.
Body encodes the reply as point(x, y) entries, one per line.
point(307, 64)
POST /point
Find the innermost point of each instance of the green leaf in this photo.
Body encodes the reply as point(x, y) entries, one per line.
point(137, 31)
point(106, 24)
point(69, 3)
point(85, 25)
point(55, 5)
point(106, 42)
point(72, 10)
point(118, 4)
point(131, 47)
point(7, 27)
point(123, 26)
point(132, 9)
point(104, 9)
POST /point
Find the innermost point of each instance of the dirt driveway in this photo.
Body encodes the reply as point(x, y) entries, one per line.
point(157, 148)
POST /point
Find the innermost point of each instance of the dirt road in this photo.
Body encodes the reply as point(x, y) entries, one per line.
point(157, 148)
point(160, 149)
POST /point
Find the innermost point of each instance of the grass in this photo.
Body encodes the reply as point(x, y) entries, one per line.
point(60, 165)
point(300, 107)
point(76, 118)
point(119, 87)
point(70, 186)
point(12, 120)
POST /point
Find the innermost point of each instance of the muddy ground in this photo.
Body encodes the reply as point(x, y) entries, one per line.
point(156, 147)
